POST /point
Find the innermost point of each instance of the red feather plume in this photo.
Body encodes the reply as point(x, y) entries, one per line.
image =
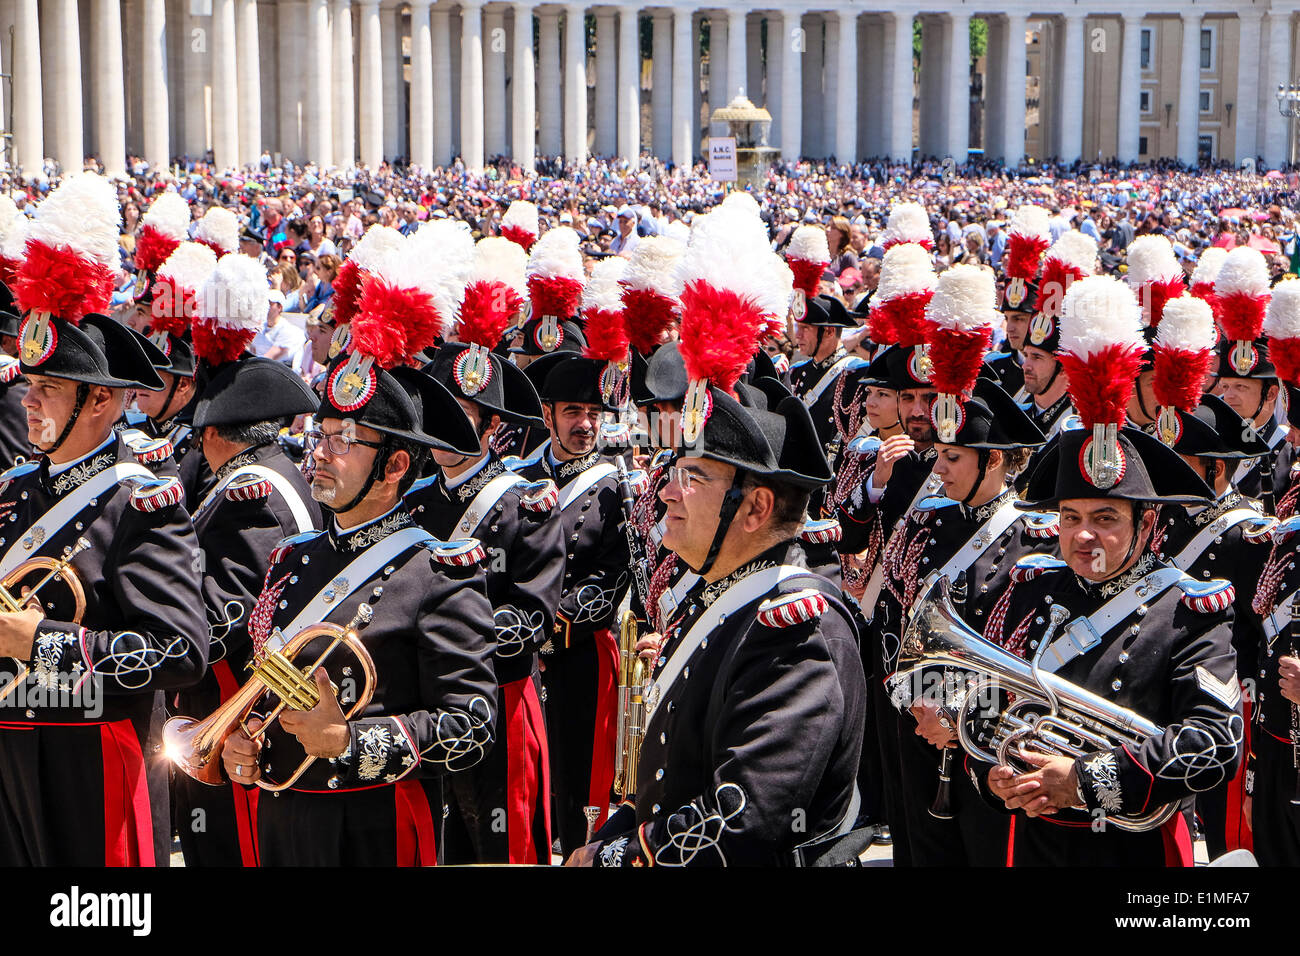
point(520, 237)
point(218, 344)
point(347, 292)
point(903, 317)
point(926, 244)
point(486, 311)
point(957, 355)
point(1242, 315)
point(807, 275)
point(1055, 282)
point(214, 246)
point(647, 315)
point(606, 335)
point(554, 295)
point(1023, 255)
point(8, 270)
point(1285, 354)
point(392, 324)
point(720, 333)
point(1180, 376)
point(1156, 294)
point(152, 248)
point(1102, 384)
point(172, 307)
point(62, 283)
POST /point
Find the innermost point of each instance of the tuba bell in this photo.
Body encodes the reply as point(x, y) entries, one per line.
point(1046, 713)
point(51, 570)
point(194, 746)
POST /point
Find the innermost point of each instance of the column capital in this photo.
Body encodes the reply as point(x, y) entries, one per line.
point(847, 13)
point(471, 4)
point(1250, 14)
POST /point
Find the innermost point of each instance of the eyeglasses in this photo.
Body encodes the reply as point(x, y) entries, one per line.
point(686, 480)
point(337, 444)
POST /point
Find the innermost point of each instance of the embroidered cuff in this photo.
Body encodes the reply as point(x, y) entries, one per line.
point(621, 851)
point(1099, 782)
point(380, 750)
point(1250, 775)
point(59, 660)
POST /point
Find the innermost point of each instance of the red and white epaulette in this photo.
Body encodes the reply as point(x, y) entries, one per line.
point(10, 369)
point(787, 610)
point(821, 531)
point(1041, 524)
point(638, 481)
point(1261, 530)
point(147, 450)
point(1207, 597)
point(157, 494)
point(287, 544)
point(539, 496)
point(460, 553)
point(1034, 565)
point(249, 487)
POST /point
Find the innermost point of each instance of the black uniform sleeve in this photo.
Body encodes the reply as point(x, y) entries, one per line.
point(162, 640)
point(453, 654)
point(592, 601)
point(535, 576)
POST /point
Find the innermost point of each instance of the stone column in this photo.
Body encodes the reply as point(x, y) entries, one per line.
point(317, 102)
point(1072, 61)
point(1013, 104)
point(29, 116)
point(794, 48)
point(110, 85)
point(661, 80)
point(777, 44)
point(754, 87)
point(736, 53)
point(225, 85)
point(249, 59)
point(830, 81)
point(1130, 85)
point(814, 91)
point(371, 112)
point(395, 102)
point(606, 81)
point(1246, 135)
point(344, 110)
point(959, 87)
point(683, 95)
point(494, 83)
point(1189, 88)
point(933, 89)
point(421, 85)
point(524, 108)
point(900, 90)
point(1276, 126)
point(718, 71)
point(550, 118)
point(440, 37)
point(629, 84)
point(471, 83)
point(153, 76)
point(575, 83)
point(846, 104)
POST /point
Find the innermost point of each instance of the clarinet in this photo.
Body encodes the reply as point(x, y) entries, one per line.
point(636, 555)
point(1295, 708)
point(1266, 491)
point(941, 809)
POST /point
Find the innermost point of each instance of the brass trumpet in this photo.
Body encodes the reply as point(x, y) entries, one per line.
point(632, 674)
point(195, 746)
point(55, 569)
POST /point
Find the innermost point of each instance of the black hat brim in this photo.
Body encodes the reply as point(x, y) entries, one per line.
point(253, 390)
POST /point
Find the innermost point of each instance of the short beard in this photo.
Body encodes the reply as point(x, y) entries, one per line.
point(324, 495)
point(926, 430)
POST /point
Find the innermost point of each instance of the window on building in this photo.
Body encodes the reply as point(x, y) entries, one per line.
point(1205, 148)
point(1207, 101)
point(1207, 49)
point(1144, 101)
point(1146, 48)
point(1142, 145)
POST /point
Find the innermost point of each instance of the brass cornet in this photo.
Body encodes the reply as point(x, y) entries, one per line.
point(195, 746)
point(632, 674)
point(55, 569)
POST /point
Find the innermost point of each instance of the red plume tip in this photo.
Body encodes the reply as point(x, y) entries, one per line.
point(807, 275)
point(1285, 354)
point(1156, 294)
point(347, 292)
point(1180, 376)
point(1024, 255)
point(392, 324)
point(214, 246)
point(171, 307)
point(647, 315)
point(152, 248)
point(926, 244)
point(720, 333)
point(486, 312)
point(217, 344)
point(1242, 315)
point(956, 355)
point(606, 337)
point(903, 317)
point(520, 237)
point(554, 295)
point(1102, 384)
point(1054, 283)
point(62, 283)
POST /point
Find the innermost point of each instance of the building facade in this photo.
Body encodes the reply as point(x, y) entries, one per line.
point(346, 81)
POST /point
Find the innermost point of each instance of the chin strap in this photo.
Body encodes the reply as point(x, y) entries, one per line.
point(376, 472)
point(1142, 404)
point(1139, 509)
point(979, 475)
point(83, 392)
point(171, 393)
point(1055, 372)
point(730, 504)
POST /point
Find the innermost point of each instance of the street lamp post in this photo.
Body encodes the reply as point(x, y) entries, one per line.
point(1288, 104)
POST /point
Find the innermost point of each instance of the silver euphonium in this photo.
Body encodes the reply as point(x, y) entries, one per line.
point(1046, 714)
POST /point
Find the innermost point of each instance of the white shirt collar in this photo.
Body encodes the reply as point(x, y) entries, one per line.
point(467, 474)
point(59, 469)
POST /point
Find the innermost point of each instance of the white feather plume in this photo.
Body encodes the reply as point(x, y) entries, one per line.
point(8, 216)
point(1098, 312)
point(650, 266)
point(809, 243)
point(236, 295)
point(1282, 320)
point(743, 202)
point(602, 290)
point(189, 266)
point(1030, 220)
point(965, 298)
point(375, 246)
point(1188, 324)
point(437, 258)
point(170, 215)
point(220, 227)
point(905, 269)
point(521, 214)
point(677, 230)
point(729, 250)
point(82, 215)
point(1244, 270)
point(1151, 259)
point(1208, 265)
point(14, 244)
point(556, 255)
point(1075, 249)
point(908, 222)
point(497, 259)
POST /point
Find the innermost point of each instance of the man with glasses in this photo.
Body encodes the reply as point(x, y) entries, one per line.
point(580, 660)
